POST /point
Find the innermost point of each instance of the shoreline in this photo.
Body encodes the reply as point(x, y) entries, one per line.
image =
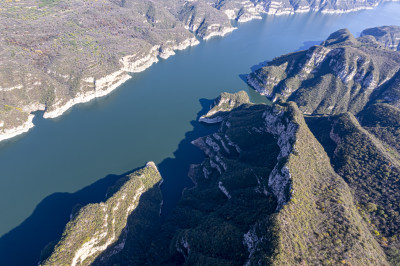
point(15, 131)
point(109, 83)
point(103, 87)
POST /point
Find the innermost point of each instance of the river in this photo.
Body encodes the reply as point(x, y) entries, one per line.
point(146, 119)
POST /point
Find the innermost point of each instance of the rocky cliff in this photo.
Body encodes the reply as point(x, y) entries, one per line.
point(348, 87)
point(97, 232)
point(276, 187)
point(223, 105)
point(266, 194)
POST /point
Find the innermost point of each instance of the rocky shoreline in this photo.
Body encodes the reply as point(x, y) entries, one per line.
point(102, 86)
point(136, 63)
point(13, 132)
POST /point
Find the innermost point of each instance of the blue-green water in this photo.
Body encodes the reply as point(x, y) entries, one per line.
point(148, 117)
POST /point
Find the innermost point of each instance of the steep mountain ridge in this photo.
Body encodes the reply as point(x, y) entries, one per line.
point(342, 74)
point(269, 193)
point(348, 87)
point(295, 211)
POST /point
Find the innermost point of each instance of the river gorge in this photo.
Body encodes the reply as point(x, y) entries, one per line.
point(150, 117)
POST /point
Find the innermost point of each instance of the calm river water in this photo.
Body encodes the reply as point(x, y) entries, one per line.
point(151, 117)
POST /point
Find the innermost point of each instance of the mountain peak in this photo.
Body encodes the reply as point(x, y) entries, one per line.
point(340, 36)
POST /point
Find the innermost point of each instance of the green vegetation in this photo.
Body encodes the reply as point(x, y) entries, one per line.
point(320, 225)
point(332, 78)
point(383, 121)
point(97, 231)
point(44, 3)
point(369, 166)
point(372, 173)
point(230, 216)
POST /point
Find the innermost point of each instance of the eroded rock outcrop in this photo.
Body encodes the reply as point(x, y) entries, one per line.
point(99, 231)
point(223, 104)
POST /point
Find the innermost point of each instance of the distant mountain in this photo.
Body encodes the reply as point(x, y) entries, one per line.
point(342, 74)
point(57, 53)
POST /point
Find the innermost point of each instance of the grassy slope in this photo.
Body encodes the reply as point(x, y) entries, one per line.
point(369, 164)
point(321, 224)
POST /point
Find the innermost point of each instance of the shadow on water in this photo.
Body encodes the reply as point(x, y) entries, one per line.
point(23, 244)
point(144, 223)
point(307, 45)
point(175, 170)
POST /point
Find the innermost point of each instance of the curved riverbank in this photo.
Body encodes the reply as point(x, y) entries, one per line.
point(94, 88)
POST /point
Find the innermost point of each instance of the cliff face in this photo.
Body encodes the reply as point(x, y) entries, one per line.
point(270, 191)
point(247, 10)
point(342, 74)
point(99, 231)
point(266, 194)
